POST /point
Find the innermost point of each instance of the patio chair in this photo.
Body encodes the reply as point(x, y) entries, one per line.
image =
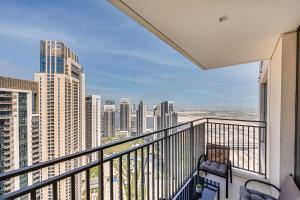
point(216, 161)
point(288, 191)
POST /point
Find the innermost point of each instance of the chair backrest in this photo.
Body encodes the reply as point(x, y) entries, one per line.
point(218, 153)
point(289, 190)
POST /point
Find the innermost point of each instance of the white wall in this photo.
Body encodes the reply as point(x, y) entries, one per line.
point(274, 89)
point(288, 97)
point(281, 111)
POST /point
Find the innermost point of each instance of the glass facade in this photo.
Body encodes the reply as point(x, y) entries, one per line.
point(53, 64)
point(42, 64)
point(52, 57)
point(59, 65)
point(42, 58)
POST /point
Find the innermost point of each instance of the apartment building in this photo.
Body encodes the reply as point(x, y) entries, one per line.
point(93, 122)
point(109, 119)
point(19, 131)
point(156, 118)
point(125, 115)
point(62, 112)
point(164, 115)
point(141, 118)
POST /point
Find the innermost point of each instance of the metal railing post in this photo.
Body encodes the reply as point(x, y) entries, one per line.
point(165, 162)
point(100, 176)
point(192, 146)
point(207, 132)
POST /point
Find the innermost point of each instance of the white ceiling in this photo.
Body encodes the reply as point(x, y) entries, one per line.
point(193, 28)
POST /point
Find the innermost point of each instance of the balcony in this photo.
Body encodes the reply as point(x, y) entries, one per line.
point(6, 102)
point(8, 108)
point(156, 165)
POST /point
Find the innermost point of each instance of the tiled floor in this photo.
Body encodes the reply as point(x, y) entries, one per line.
point(235, 186)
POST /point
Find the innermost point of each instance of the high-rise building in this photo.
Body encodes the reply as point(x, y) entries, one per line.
point(109, 102)
point(125, 115)
point(109, 114)
point(19, 131)
point(164, 113)
point(133, 108)
point(93, 122)
point(156, 118)
point(171, 106)
point(141, 118)
point(62, 112)
point(133, 119)
point(168, 116)
point(133, 123)
point(174, 118)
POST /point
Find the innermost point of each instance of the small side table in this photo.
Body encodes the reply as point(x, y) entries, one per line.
point(211, 189)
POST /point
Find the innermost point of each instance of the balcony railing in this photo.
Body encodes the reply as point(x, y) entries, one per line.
point(154, 166)
point(246, 139)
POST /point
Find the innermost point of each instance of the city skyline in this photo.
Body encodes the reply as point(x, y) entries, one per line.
point(126, 68)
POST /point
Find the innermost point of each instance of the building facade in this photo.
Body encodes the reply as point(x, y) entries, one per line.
point(62, 112)
point(156, 118)
point(93, 122)
point(19, 131)
point(125, 115)
point(141, 118)
point(109, 114)
point(164, 115)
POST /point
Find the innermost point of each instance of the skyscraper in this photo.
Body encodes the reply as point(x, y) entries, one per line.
point(156, 118)
point(93, 122)
point(141, 118)
point(109, 115)
point(19, 131)
point(109, 102)
point(164, 113)
point(174, 118)
point(62, 112)
point(133, 108)
point(168, 116)
point(171, 106)
point(133, 119)
point(125, 115)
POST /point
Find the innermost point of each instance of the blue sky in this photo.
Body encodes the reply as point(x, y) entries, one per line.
point(120, 58)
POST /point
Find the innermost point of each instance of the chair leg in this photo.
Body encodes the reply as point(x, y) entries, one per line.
point(227, 187)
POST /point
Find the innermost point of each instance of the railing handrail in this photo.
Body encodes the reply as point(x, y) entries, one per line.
point(17, 172)
point(237, 120)
point(39, 185)
point(38, 166)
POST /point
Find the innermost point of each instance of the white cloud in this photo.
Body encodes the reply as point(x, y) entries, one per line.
point(25, 31)
point(140, 80)
point(144, 55)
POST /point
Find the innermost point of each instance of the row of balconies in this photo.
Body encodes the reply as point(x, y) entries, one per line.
point(8, 108)
point(5, 102)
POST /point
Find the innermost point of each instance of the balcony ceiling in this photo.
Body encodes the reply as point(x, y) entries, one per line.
point(192, 27)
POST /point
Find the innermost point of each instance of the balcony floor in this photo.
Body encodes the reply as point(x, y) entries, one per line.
point(234, 188)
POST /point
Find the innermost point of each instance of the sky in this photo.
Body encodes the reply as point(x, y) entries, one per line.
point(120, 58)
